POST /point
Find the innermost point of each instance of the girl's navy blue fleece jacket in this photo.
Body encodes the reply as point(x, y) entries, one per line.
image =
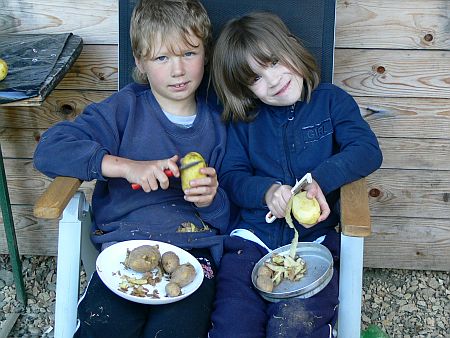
point(326, 137)
point(131, 124)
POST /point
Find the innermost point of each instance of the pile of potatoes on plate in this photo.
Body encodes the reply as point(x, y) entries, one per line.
point(147, 258)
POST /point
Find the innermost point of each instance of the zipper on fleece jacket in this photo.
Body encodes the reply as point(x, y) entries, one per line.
point(291, 117)
point(285, 230)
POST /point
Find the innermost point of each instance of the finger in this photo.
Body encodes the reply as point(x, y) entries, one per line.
point(278, 211)
point(171, 164)
point(199, 199)
point(209, 171)
point(163, 180)
point(153, 184)
point(201, 191)
point(204, 181)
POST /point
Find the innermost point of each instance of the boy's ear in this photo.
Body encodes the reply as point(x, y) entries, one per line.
point(137, 61)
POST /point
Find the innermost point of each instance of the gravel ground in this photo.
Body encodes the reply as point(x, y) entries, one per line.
point(404, 303)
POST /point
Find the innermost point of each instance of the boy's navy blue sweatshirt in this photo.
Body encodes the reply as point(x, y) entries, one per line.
point(131, 124)
point(326, 137)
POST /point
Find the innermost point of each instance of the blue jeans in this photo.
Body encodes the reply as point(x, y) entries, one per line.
point(104, 314)
point(240, 312)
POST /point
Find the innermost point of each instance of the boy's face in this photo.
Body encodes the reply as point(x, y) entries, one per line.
point(275, 84)
point(174, 72)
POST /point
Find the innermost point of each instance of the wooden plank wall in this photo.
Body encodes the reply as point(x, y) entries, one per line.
point(392, 56)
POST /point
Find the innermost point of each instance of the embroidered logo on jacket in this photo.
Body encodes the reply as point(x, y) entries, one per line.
point(206, 266)
point(316, 132)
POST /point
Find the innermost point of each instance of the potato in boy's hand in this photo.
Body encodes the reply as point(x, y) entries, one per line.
point(192, 173)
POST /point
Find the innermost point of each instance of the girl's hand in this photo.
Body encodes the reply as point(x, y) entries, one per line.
point(277, 198)
point(150, 174)
point(203, 189)
point(313, 190)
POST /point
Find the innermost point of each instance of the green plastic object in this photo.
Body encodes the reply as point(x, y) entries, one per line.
point(373, 331)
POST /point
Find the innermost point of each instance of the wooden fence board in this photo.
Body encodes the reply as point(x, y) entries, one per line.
point(393, 73)
point(95, 21)
point(26, 184)
point(60, 105)
point(359, 24)
point(410, 193)
point(408, 243)
point(414, 24)
point(95, 69)
point(34, 237)
point(410, 117)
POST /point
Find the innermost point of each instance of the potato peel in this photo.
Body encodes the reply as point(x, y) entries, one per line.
point(289, 266)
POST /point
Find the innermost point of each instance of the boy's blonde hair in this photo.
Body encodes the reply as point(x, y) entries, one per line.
point(170, 20)
point(266, 38)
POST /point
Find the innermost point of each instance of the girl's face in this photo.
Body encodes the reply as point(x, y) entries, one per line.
point(275, 84)
point(174, 74)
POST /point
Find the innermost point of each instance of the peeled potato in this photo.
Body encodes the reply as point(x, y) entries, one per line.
point(306, 211)
point(3, 69)
point(192, 173)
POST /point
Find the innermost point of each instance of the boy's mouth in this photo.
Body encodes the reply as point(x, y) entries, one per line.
point(180, 85)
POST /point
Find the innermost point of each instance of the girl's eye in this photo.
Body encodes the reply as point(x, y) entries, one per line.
point(189, 54)
point(255, 79)
point(274, 63)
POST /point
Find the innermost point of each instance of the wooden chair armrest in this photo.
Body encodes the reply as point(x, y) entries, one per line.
point(355, 213)
point(58, 194)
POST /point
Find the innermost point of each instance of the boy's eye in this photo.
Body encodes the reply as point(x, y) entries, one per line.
point(161, 58)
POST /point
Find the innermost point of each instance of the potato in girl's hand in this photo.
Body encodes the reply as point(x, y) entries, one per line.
point(306, 211)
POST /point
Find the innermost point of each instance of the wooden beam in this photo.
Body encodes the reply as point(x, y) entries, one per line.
point(52, 203)
point(355, 214)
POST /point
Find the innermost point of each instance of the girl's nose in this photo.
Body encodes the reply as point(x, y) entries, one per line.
point(177, 67)
point(272, 78)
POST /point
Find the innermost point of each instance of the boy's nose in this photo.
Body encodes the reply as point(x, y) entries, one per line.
point(177, 67)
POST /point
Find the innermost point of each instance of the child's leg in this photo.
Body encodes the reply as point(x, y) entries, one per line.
point(190, 317)
point(104, 314)
point(313, 317)
point(239, 311)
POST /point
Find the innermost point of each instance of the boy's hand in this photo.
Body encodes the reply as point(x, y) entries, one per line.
point(203, 190)
point(150, 174)
point(277, 198)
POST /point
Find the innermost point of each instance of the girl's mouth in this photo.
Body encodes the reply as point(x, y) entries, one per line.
point(282, 90)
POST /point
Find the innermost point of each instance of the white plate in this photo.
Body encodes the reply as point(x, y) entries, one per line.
point(110, 263)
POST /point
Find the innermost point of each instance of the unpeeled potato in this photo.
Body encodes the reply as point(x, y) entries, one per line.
point(144, 258)
point(183, 274)
point(306, 211)
point(170, 261)
point(192, 173)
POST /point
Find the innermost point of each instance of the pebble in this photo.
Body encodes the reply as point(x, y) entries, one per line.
point(403, 303)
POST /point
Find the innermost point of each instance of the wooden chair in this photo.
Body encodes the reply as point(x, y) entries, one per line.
point(313, 21)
